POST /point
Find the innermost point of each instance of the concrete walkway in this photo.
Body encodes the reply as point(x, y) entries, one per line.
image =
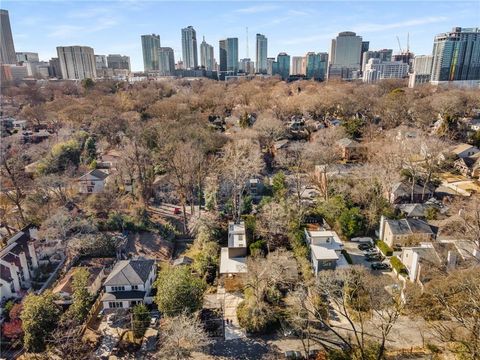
point(230, 303)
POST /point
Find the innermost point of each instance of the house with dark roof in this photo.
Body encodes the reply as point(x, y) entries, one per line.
point(404, 231)
point(401, 193)
point(92, 182)
point(130, 283)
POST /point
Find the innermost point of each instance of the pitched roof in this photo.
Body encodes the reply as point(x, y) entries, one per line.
point(346, 142)
point(403, 189)
point(461, 148)
point(409, 227)
point(129, 272)
point(413, 210)
point(99, 174)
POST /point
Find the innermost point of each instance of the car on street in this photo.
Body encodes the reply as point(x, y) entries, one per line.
point(370, 251)
point(381, 266)
point(364, 246)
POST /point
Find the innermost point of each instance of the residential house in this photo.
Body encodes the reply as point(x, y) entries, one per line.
point(182, 261)
point(325, 249)
point(18, 261)
point(110, 159)
point(415, 258)
point(468, 166)
point(233, 259)
point(255, 188)
point(130, 283)
point(401, 193)
point(465, 150)
point(351, 149)
point(92, 182)
point(97, 272)
point(404, 231)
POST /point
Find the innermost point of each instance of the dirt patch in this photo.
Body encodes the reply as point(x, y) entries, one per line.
point(149, 245)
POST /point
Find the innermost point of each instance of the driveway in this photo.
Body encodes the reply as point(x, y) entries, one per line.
point(230, 303)
point(357, 256)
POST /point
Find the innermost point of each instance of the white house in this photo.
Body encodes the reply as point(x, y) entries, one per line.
point(414, 257)
point(325, 249)
point(18, 260)
point(234, 257)
point(129, 283)
point(92, 182)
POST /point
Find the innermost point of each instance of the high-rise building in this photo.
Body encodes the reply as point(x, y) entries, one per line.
point(100, 62)
point(270, 62)
point(55, 68)
point(246, 66)
point(7, 48)
point(262, 53)
point(189, 48)
point(222, 55)
point(282, 66)
point(207, 58)
point(150, 49)
point(456, 55)
point(345, 54)
point(167, 61)
point(316, 65)
point(379, 70)
point(365, 47)
point(297, 66)
point(27, 56)
point(77, 62)
point(384, 55)
point(422, 69)
point(232, 54)
point(117, 61)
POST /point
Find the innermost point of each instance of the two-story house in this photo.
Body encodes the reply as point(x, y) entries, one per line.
point(325, 249)
point(405, 232)
point(234, 257)
point(129, 283)
point(92, 182)
point(18, 260)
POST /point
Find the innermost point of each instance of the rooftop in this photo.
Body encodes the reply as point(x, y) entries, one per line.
point(132, 272)
point(323, 253)
point(232, 265)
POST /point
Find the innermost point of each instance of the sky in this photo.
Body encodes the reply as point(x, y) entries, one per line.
point(296, 27)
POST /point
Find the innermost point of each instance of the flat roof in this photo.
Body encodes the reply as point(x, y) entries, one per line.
point(323, 253)
point(232, 265)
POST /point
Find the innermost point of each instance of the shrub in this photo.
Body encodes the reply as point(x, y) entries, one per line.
point(255, 318)
point(384, 248)
point(398, 265)
point(352, 222)
point(347, 256)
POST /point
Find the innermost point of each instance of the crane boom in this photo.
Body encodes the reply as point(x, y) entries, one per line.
point(399, 45)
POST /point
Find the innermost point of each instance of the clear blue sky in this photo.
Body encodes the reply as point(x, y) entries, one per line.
point(292, 26)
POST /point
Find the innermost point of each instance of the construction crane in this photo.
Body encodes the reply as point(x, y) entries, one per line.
point(399, 45)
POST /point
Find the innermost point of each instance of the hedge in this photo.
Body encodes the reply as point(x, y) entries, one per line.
point(398, 265)
point(347, 256)
point(384, 248)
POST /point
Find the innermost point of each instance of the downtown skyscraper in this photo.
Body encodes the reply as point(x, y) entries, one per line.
point(262, 53)
point(207, 59)
point(7, 48)
point(232, 54)
point(77, 62)
point(456, 55)
point(345, 55)
point(167, 61)
point(151, 49)
point(189, 48)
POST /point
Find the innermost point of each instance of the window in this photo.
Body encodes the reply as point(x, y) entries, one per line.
point(115, 304)
point(118, 288)
point(134, 287)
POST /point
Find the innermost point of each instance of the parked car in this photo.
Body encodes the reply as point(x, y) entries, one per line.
point(176, 211)
point(381, 266)
point(397, 247)
point(364, 246)
point(290, 354)
point(376, 257)
point(371, 251)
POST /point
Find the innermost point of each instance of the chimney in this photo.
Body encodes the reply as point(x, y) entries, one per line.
point(451, 260)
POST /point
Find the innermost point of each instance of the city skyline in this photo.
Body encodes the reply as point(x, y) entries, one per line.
point(110, 31)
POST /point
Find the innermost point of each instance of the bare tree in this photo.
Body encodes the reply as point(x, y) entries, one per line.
point(180, 336)
point(241, 160)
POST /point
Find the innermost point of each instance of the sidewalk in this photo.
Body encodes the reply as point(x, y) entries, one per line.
point(230, 304)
